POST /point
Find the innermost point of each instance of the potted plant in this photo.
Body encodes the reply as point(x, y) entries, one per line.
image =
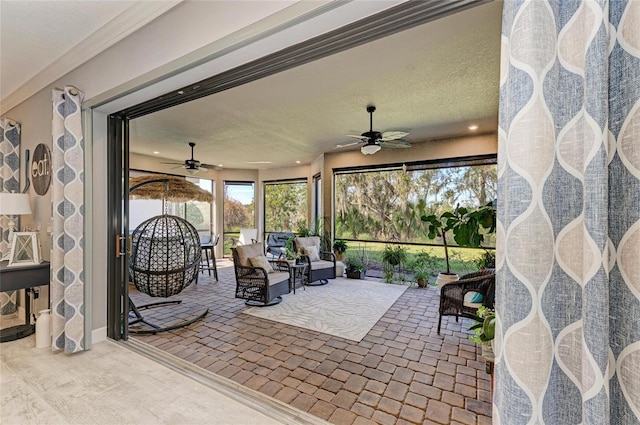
point(421, 277)
point(487, 260)
point(484, 330)
point(339, 248)
point(423, 266)
point(467, 228)
point(355, 268)
point(394, 255)
point(290, 253)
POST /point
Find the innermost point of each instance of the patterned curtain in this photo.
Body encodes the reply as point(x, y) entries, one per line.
point(9, 182)
point(67, 197)
point(568, 299)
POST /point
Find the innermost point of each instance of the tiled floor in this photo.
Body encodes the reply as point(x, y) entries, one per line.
point(402, 372)
point(110, 385)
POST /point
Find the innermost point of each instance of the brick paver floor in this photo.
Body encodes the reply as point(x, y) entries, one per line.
point(402, 372)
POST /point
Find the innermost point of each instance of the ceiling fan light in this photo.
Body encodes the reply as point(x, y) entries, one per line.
point(193, 170)
point(369, 149)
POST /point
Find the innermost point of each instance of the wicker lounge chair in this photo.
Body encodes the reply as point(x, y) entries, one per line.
point(455, 297)
point(323, 268)
point(254, 284)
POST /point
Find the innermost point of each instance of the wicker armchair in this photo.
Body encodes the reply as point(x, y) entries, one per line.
point(319, 270)
point(455, 297)
point(254, 284)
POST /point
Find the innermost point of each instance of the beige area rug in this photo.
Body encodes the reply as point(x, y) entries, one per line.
point(346, 308)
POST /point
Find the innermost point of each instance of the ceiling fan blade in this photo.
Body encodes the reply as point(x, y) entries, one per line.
point(177, 166)
point(392, 135)
point(172, 163)
point(203, 169)
point(358, 137)
point(211, 166)
point(347, 144)
point(398, 143)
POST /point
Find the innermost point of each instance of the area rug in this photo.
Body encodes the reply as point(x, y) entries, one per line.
point(347, 308)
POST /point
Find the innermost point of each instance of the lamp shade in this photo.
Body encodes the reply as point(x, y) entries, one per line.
point(370, 149)
point(14, 204)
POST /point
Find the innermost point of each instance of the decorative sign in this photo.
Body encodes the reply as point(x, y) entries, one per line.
point(41, 169)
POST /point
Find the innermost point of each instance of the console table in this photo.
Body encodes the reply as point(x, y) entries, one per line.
point(22, 277)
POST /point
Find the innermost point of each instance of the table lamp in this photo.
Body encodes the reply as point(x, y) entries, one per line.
point(11, 205)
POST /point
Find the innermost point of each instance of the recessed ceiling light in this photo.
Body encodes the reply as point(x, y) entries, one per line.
point(219, 165)
point(156, 153)
point(473, 127)
point(297, 162)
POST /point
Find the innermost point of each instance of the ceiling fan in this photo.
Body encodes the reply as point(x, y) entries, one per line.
point(192, 165)
point(374, 140)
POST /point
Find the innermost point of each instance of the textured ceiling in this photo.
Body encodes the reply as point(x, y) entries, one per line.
point(432, 81)
point(35, 27)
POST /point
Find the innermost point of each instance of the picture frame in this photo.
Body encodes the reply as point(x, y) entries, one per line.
point(25, 249)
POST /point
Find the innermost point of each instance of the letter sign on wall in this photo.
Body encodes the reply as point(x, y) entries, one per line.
point(41, 169)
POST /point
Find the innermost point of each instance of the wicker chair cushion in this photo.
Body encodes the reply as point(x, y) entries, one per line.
point(312, 252)
point(307, 242)
point(469, 301)
point(322, 264)
point(277, 277)
point(247, 251)
point(262, 262)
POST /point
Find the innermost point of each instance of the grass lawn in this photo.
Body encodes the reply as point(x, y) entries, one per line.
point(460, 259)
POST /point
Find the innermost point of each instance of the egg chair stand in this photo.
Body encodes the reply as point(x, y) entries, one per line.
point(165, 259)
point(139, 318)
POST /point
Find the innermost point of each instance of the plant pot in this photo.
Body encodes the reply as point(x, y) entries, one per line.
point(339, 255)
point(487, 351)
point(356, 274)
point(422, 283)
point(444, 278)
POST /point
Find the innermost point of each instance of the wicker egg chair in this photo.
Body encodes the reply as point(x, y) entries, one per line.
point(165, 259)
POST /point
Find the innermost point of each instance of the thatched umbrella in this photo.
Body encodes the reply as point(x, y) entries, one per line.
point(171, 188)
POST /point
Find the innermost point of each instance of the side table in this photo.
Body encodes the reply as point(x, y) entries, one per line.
point(298, 275)
point(22, 277)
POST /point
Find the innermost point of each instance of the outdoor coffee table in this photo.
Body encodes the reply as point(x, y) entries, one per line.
point(298, 275)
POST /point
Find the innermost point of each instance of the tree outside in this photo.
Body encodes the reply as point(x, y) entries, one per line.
point(285, 206)
point(385, 205)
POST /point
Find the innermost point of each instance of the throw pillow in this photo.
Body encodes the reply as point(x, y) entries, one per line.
point(312, 252)
point(262, 262)
point(477, 297)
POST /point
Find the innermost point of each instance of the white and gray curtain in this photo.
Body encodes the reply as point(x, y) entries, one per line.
point(67, 198)
point(9, 182)
point(568, 280)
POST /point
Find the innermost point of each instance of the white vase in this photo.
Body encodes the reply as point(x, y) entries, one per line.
point(444, 278)
point(43, 330)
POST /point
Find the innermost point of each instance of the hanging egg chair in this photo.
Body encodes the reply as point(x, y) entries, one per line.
point(165, 259)
point(165, 256)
